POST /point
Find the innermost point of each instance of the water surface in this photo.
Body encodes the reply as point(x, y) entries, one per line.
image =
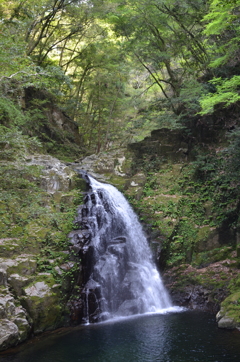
point(174, 337)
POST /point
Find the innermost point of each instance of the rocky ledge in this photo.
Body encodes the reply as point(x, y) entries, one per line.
point(211, 289)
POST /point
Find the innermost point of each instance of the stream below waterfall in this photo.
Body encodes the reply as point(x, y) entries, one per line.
point(187, 336)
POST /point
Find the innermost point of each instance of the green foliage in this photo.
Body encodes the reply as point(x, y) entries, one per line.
point(166, 40)
point(233, 157)
point(226, 93)
point(223, 32)
point(188, 204)
point(119, 70)
point(13, 57)
point(215, 183)
point(221, 16)
point(10, 113)
point(14, 145)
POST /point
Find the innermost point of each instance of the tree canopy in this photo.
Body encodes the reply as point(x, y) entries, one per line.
point(122, 68)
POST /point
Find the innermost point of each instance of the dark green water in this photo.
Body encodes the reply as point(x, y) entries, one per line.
point(175, 337)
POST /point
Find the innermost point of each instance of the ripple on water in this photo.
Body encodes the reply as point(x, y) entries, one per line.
point(165, 337)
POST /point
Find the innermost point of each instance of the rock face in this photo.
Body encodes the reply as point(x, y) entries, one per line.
point(26, 305)
point(56, 176)
point(198, 288)
point(165, 144)
point(15, 324)
point(35, 267)
point(113, 166)
point(42, 304)
point(35, 262)
point(54, 124)
point(9, 334)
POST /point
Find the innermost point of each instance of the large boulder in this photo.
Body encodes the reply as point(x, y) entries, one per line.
point(56, 176)
point(14, 323)
point(43, 305)
point(8, 334)
point(113, 166)
point(228, 317)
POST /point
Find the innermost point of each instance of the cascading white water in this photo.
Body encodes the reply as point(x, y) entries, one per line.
point(122, 270)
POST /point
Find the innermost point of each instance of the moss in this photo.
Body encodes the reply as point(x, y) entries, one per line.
point(10, 247)
point(23, 265)
point(115, 180)
point(203, 233)
point(212, 256)
point(46, 313)
point(37, 231)
point(16, 231)
point(47, 278)
point(33, 221)
point(231, 306)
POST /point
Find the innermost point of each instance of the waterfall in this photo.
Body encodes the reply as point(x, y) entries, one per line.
point(119, 276)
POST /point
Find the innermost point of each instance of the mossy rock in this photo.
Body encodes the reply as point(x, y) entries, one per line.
point(5, 222)
point(43, 304)
point(23, 265)
point(15, 231)
point(8, 334)
point(18, 282)
point(229, 316)
point(3, 207)
point(212, 256)
point(207, 239)
point(10, 247)
point(117, 181)
point(34, 230)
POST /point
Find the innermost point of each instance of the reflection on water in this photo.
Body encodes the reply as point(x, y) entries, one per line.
point(175, 337)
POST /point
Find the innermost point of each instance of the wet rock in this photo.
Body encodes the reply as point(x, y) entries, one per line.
point(80, 237)
point(14, 325)
point(91, 295)
point(119, 240)
point(129, 307)
point(76, 306)
point(9, 335)
point(23, 328)
point(119, 250)
point(227, 323)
